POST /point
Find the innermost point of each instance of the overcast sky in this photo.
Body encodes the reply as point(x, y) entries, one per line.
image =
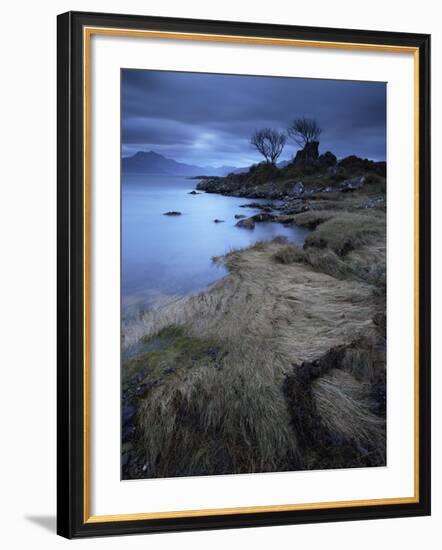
point(207, 119)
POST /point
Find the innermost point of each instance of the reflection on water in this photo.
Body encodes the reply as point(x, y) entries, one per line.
point(172, 255)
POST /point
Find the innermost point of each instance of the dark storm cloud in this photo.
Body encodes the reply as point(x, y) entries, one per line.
point(208, 119)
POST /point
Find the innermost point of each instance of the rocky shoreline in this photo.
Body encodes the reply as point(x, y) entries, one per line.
point(302, 185)
point(281, 364)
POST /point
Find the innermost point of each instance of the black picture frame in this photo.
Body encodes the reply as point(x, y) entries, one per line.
point(72, 393)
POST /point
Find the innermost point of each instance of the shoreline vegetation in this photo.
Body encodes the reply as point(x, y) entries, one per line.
point(280, 365)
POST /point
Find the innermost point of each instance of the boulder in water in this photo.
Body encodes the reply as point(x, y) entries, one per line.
point(247, 223)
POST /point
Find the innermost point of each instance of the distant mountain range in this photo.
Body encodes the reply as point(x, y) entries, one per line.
point(153, 163)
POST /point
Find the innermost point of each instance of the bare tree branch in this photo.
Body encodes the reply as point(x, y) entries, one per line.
point(270, 143)
point(304, 130)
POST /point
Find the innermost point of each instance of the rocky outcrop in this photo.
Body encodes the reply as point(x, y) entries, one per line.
point(356, 164)
point(263, 217)
point(251, 205)
point(309, 157)
point(352, 183)
point(327, 159)
point(297, 188)
point(224, 186)
point(309, 154)
point(249, 223)
point(308, 174)
point(295, 206)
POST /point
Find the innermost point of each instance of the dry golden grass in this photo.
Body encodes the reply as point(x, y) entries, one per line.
point(343, 403)
point(347, 231)
point(238, 388)
point(348, 244)
point(311, 219)
point(225, 411)
point(217, 412)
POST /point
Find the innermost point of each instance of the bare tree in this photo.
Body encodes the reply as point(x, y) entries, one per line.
point(269, 143)
point(304, 130)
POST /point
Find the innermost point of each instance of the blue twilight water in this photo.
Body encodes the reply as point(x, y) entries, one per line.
point(172, 255)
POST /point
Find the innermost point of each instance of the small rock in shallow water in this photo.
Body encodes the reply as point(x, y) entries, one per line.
point(218, 221)
point(248, 223)
point(194, 193)
point(263, 217)
point(239, 216)
point(172, 213)
point(251, 205)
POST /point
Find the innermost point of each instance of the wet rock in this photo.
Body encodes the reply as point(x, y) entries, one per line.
point(194, 193)
point(352, 184)
point(172, 213)
point(285, 219)
point(224, 186)
point(128, 412)
point(251, 205)
point(263, 217)
point(297, 188)
point(295, 207)
point(346, 247)
point(216, 220)
point(239, 216)
point(141, 390)
point(213, 352)
point(247, 223)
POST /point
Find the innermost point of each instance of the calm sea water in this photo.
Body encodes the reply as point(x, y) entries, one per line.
point(172, 255)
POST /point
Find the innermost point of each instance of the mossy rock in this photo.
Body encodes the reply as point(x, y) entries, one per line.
point(176, 352)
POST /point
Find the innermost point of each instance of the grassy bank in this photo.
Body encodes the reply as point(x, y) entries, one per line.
point(278, 366)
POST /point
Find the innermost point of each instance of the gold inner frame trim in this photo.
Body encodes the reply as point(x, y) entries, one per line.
point(87, 34)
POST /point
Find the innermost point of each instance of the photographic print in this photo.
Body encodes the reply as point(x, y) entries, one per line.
point(253, 293)
point(226, 331)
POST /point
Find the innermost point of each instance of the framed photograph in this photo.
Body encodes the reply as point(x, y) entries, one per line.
point(243, 274)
